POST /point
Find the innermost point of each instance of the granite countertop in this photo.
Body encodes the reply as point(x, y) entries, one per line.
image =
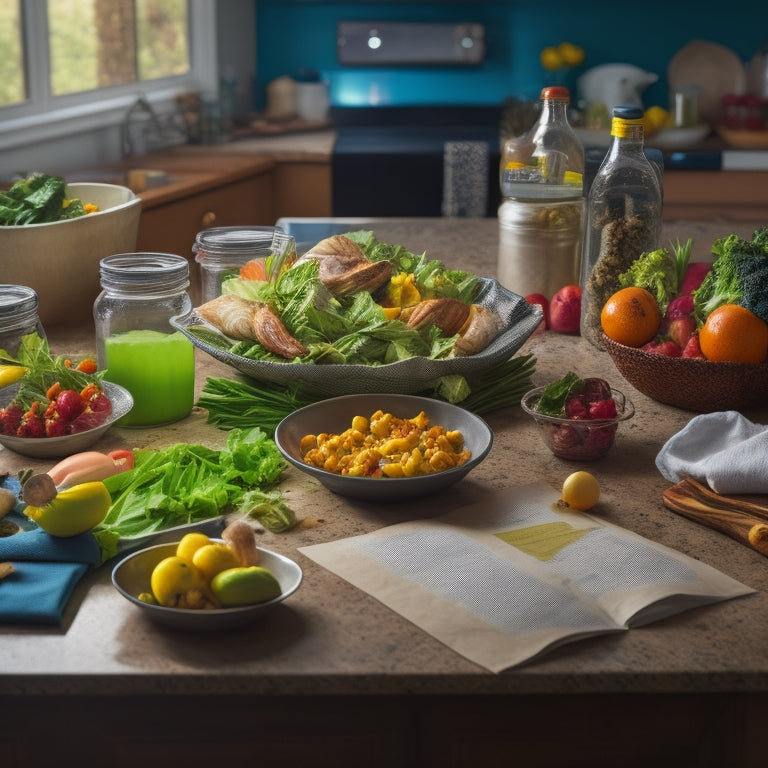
point(330, 638)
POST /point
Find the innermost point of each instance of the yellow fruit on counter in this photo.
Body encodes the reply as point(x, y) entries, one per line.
point(177, 583)
point(581, 491)
point(214, 558)
point(74, 510)
point(10, 374)
point(190, 543)
point(654, 119)
point(245, 586)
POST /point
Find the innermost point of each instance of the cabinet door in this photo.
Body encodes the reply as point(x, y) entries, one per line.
point(172, 227)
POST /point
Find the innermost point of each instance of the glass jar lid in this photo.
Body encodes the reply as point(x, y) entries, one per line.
point(234, 242)
point(144, 273)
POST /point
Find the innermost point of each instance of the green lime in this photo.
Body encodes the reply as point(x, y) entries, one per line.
point(245, 586)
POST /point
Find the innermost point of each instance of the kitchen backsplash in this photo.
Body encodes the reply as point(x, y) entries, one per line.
point(516, 31)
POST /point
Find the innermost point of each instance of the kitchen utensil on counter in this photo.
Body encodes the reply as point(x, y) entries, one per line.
point(60, 260)
point(615, 84)
point(135, 341)
point(714, 69)
point(18, 316)
point(281, 98)
point(131, 576)
point(334, 416)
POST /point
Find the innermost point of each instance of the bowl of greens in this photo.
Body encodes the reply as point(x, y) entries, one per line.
point(53, 235)
point(402, 322)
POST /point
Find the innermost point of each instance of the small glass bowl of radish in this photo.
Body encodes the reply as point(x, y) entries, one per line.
point(584, 427)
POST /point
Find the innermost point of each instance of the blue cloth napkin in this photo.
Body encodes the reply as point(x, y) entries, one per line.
point(46, 570)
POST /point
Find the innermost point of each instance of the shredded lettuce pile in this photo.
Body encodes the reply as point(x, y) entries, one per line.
point(188, 483)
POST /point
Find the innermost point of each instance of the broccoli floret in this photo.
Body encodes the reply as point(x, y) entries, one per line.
point(660, 272)
point(739, 275)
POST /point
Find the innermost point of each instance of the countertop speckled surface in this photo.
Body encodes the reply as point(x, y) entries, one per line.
point(330, 638)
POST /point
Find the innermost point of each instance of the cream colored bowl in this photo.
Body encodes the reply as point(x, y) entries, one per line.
point(60, 260)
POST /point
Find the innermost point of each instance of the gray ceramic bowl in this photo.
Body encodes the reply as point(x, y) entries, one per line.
point(66, 445)
point(132, 575)
point(335, 415)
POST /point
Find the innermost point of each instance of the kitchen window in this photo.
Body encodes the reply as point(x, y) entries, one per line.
point(72, 65)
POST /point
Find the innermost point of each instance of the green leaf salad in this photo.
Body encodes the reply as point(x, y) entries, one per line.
point(353, 329)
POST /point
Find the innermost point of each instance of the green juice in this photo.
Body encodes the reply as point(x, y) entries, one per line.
point(158, 369)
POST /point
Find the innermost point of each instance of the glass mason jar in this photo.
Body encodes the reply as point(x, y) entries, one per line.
point(136, 344)
point(18, 316)
point(539, 245)
point(222, 251)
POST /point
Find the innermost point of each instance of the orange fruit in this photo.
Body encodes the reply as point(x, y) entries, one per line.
point(631, 316)
point(732, 333)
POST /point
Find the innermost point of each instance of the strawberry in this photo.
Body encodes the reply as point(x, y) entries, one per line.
point(55, 427)
point(69, 404)
point(10, 418)
point(694, 274)
point(692, 348)
point(603, 409)
point(31, 425)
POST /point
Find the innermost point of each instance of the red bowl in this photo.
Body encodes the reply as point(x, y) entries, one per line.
point(691, 383)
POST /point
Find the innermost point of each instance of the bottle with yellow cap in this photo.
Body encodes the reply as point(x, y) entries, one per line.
point(622, 218)
point(540, 216)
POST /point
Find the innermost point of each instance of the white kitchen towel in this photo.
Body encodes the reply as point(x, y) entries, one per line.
point(722, 449)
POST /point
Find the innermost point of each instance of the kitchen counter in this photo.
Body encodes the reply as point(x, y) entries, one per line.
point(332, 669)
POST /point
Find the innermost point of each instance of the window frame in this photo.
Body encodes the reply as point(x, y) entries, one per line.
point(44, 117)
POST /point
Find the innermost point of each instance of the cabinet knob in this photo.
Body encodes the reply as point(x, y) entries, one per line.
point(209, 219)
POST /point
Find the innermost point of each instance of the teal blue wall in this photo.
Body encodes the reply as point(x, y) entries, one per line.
point(296, 35)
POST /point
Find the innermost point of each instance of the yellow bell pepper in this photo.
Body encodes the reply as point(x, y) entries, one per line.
point(10, 374)
point(74, 510)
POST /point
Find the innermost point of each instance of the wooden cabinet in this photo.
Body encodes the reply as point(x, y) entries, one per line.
point(302, 188)
point(712, 195)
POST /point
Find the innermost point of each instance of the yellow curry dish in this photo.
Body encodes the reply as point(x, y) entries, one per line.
point(386, 446)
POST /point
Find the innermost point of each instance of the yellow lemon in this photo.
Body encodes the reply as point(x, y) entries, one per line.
point(581, 491)
point(72, 511)
point(654, 119)
point(190, 543)
point(214, 558)
point(176, 582)
point(571, 54)
point(245, 586)
point(9, 374)
point(550, 58)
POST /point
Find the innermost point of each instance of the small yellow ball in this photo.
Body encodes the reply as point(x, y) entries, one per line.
point(581, 491)
point(551, 59)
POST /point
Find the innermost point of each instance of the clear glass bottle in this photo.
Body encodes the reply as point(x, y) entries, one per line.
point(622, 217)
point(136, 344)
point(540, 217)
point(18, 316)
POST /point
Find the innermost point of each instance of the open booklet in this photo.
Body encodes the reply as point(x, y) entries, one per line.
point(505, 580)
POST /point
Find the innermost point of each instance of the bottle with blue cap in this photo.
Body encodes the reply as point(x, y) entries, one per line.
point(622, 217)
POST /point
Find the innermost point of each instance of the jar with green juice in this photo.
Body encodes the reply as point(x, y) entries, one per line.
point(136, 344)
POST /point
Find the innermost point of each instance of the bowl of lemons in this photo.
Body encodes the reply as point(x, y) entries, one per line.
point(204, 583)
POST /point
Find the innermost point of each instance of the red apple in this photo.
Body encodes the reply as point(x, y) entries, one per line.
point(565, 310)
point(667, 348)
point(681, 329)
point(543, 302)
